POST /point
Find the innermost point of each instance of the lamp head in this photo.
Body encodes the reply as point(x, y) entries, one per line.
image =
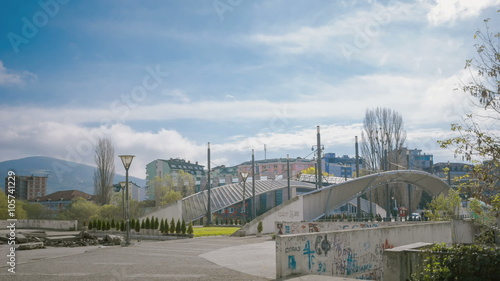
point(126, 160)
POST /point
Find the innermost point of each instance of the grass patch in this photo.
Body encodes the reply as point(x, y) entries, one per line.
point(213, 231)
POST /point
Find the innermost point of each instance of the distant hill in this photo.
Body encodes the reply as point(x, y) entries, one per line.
point(63, 175)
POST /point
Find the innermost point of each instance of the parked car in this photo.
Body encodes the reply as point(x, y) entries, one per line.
point(415, 217)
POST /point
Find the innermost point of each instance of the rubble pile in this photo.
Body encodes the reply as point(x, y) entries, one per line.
point(39, 239)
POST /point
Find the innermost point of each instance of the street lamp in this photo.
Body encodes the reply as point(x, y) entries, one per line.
point(127, 160)
point(122, 184)
point(244, 176)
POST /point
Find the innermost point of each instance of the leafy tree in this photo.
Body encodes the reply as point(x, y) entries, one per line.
point(91, 225)
point(109, 211)
point(477, 141)
point(80, 209)
point(113, 223)
point(143, 224)
point(157, 223)
point(38, 211)
point(147, 225)
point(122, 226)
point(444, 207)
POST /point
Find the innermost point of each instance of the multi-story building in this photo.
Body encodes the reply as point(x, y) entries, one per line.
point(452, 173)
point(419, 161)
point(344, 166)
point(28, 187)
point(272, 168)
point(61, 200)
point(160, 167)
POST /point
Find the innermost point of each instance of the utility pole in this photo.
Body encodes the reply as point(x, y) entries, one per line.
point(388, 206)
point(265, 152)
point(409, 187)
point(288, 176)
point(320, 173)
point(209, 184)
point(358, 202)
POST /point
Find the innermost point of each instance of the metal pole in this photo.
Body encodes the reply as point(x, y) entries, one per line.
point(409, 188)
point(288, 176)
point(358, 201)
point(123, 201)
point(127, 214)
point(209, 184)
point(244, 210)
point(254, 206)
point(320, 174)
point(388, 203)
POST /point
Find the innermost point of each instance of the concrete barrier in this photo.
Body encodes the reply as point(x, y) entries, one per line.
point(42, 224)
point(356, 253)
point(310, 227)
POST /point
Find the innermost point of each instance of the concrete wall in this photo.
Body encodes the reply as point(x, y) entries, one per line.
point(310, 227)
point(172, 210)
point(42, 224)
point(291, 210)
point(463, 231)
point(353, 253)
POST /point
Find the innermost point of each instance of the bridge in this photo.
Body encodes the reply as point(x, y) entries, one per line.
point(194, 207)
point(318, 203)
point(305, 207)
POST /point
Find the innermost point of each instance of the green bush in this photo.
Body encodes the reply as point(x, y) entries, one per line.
point(183, 227)
point(143, 224)
point(178, 227)
point(460, 262)
point(122, 226)
point(172, 226)
point(162, 226)
point(259, 227)
point(190, 228)
point(113, 225)
point(137, 226)
point(147, 225)
point(157, 223)
point(90, 225)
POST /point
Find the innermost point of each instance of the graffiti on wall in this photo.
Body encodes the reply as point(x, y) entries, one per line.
point(311, 227)
point(334, 254)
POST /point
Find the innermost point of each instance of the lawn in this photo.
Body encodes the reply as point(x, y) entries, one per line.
point(213, 231)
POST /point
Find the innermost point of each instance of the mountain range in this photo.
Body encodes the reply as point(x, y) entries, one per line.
point(62, 175)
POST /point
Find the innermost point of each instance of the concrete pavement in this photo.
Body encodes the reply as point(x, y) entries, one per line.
point(204, 258)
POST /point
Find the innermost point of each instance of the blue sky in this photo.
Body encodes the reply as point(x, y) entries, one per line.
point(163, 78)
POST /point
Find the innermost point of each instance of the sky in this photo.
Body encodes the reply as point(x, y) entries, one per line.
point(162, 79)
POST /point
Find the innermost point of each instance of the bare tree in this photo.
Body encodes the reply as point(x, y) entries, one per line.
point(103, 176)
point(382, 141)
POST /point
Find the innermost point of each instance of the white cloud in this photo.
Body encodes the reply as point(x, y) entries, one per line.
point(177, 95)
point(9, 77)
point(449, 11)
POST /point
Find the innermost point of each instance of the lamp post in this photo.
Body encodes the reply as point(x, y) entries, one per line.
point(122, 184)
point(127, 160)
point(244, 176)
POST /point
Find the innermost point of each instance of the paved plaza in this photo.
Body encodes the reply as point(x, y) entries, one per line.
point(204, 258)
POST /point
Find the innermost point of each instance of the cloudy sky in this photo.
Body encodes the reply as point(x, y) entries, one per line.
point(164, 78)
